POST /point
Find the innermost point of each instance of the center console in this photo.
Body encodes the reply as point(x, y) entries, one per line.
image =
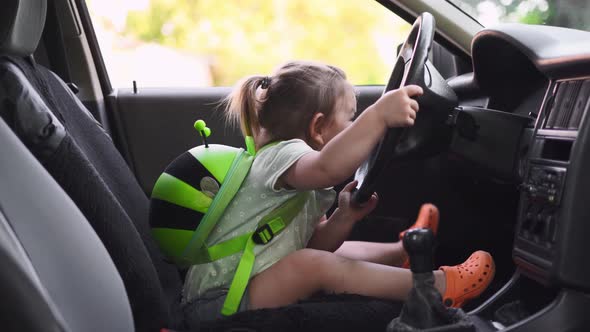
point(546, 226)
point(552, 236)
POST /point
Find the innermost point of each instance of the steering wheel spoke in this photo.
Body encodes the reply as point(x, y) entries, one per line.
point(428, 134)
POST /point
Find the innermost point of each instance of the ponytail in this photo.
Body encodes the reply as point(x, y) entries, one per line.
point(287, 101)
point(242, 105)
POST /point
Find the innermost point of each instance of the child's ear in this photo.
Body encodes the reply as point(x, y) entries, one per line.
point(316, 129)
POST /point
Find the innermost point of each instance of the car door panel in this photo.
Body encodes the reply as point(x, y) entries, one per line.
point(154, 125)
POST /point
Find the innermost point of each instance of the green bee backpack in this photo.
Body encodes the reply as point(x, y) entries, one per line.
point(190, 197)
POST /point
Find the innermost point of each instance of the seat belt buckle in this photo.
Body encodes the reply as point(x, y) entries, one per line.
point(263, 234)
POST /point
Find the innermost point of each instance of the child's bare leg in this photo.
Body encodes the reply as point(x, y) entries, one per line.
point(392, 254)
point(307, 271)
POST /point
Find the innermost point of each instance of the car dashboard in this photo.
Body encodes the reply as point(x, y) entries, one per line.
point(513, 64)
point(534, 82)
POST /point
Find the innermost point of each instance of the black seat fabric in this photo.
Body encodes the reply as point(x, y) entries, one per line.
point(343, 312)
point(56, 274)
point(99, 182)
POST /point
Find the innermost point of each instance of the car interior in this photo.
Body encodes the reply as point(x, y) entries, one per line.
point(498, 147)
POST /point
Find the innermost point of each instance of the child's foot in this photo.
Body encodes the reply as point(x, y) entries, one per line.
point(468, 280)
point(427, 218)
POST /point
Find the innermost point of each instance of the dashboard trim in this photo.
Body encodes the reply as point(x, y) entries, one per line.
point(554, 51)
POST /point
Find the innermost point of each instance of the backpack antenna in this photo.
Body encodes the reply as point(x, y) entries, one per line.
point(203, 130)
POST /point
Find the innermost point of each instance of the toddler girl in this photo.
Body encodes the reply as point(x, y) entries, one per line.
point(301, 119)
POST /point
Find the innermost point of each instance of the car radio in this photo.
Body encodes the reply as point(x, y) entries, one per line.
point(539, 214)
point(542, 193)
point(553, 214)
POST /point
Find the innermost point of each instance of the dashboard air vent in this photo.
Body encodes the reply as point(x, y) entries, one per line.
point(570, 103)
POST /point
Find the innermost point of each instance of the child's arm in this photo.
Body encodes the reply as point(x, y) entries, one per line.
point(346, 151)
point(331, 233)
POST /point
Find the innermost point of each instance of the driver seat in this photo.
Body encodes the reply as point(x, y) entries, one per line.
point(76, 151)
point(64, 136)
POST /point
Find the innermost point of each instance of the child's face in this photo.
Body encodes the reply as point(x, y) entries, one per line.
point(343, 114)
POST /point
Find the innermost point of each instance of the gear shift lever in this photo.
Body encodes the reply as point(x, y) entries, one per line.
point(424, 309)
point(418, 244)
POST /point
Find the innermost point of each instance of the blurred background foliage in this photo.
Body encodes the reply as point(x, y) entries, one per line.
point(245, 37)
point(564, 13)
point(215, 43)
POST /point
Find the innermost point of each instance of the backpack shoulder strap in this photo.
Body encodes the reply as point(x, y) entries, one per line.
point(196, 251)
point(268, 227)
point(233, 181)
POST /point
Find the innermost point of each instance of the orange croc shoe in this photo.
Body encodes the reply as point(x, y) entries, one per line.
point(468, 280)
point(427, 218)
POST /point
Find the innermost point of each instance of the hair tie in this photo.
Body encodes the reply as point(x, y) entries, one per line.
point(265, 82)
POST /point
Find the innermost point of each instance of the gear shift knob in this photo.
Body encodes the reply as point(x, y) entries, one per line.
point(418, 244)
point(424, 309)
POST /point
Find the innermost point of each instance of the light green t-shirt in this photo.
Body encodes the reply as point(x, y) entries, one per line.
point(256, 198)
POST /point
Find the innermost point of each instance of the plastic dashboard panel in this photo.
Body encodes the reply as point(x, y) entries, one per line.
point(553, 223)
point(555, 52)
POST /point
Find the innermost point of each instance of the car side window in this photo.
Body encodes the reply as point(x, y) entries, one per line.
point(189, 43)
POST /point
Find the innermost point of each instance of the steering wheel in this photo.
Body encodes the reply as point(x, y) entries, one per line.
point(430, 134)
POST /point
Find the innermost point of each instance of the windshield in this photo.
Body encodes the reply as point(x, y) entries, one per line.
point(564, 13)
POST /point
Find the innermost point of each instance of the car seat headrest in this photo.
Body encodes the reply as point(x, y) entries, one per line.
point(21, 26)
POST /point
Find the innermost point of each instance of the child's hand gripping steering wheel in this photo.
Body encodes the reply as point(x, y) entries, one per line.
point(429, 133)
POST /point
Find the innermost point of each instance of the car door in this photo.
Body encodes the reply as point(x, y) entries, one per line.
point(169, 63)
point(161, 83)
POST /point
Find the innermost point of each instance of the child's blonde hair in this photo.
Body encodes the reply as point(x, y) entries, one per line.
point(286, 101)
